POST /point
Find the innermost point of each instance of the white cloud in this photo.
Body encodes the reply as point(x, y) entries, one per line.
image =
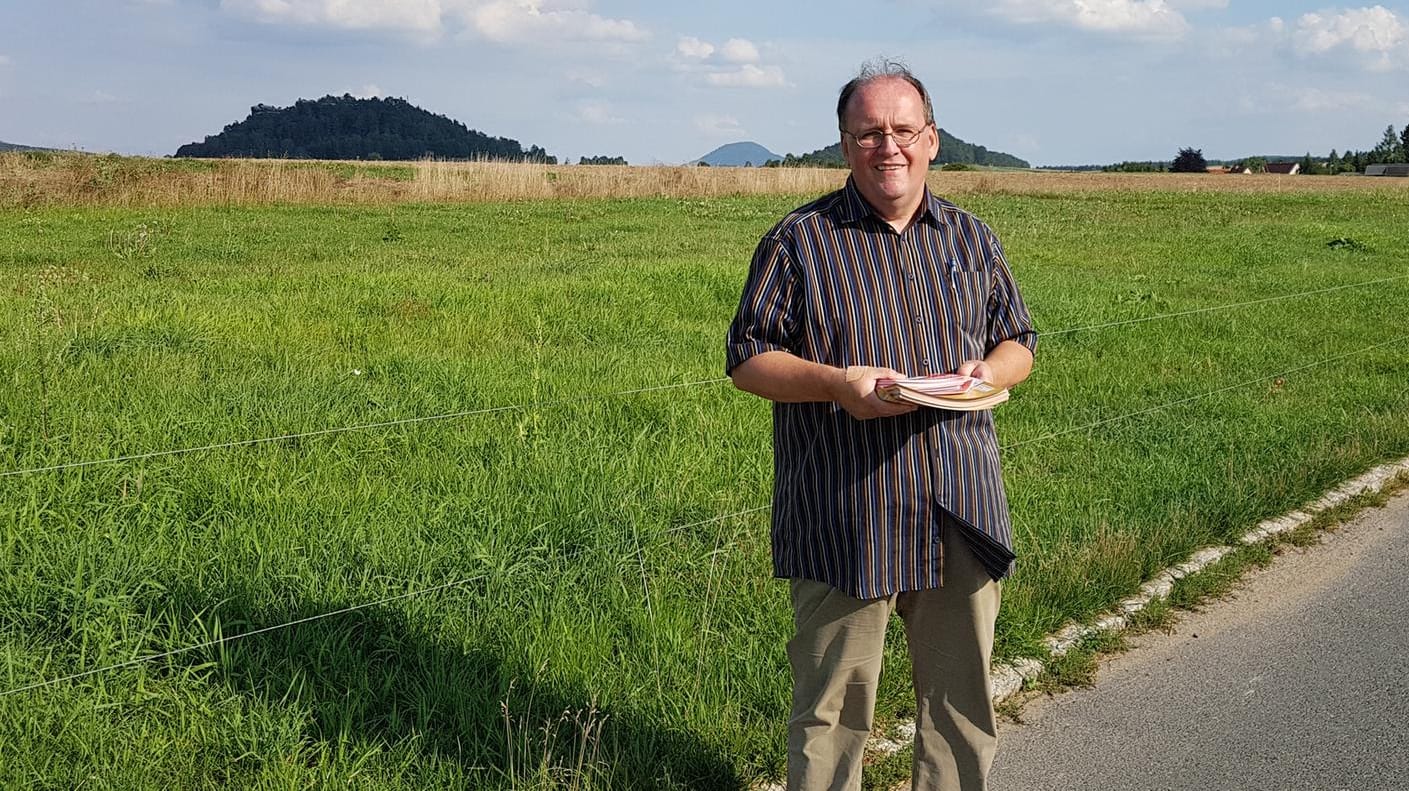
point(693, 48)
point(1376, 36)
point(4, 60)
point(597, 113)
point(1155, 18)
point(733, 64)
point(749, 76)
point(421, 16)
point(719, 125)
point(503, 21)
point(519, 21)
point(739, 50)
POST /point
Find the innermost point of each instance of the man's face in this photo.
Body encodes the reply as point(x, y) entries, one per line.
point(890, 178)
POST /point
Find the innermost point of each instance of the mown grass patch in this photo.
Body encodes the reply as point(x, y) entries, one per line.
point(615, 576)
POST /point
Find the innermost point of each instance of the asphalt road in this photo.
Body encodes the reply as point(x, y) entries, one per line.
point(1298, 681)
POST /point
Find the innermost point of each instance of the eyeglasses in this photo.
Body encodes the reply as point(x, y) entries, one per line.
point(903, 138)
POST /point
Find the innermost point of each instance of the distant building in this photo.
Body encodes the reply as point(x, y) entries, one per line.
point(1283, 168)
point(1216, 169)
point(1239, 170)
point(1388, 170)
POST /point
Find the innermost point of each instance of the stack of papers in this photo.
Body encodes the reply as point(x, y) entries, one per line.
point(944, 391)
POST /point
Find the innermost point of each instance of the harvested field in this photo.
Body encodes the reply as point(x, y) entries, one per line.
point(47, 179)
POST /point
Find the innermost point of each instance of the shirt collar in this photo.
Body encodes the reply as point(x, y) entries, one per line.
point(854, 208)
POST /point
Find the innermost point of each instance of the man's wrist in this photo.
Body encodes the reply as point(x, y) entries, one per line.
point(838, 380)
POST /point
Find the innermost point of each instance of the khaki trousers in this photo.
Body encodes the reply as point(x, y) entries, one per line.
point(836, 661)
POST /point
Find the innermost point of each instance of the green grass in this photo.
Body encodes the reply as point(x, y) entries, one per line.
point(612, 632)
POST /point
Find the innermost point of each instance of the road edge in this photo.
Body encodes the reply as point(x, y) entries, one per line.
point(1008, 679)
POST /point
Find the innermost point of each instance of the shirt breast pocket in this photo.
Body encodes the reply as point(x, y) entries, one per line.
point(968, 295)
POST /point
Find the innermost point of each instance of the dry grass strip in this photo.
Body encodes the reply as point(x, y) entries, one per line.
point(48, 179)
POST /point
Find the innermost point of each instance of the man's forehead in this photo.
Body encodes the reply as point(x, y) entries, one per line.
point(887, 99)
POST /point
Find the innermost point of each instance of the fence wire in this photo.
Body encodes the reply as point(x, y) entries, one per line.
point(359, 427)
point(700, 383)
point(1216, 308)
point(460, 583)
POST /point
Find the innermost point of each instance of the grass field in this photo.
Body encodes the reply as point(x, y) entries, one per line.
point(616, 626)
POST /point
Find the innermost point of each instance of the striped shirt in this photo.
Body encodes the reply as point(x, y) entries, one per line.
point(859, 504)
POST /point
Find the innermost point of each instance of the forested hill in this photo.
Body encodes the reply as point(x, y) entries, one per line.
point(951, 149)
point(344, 127)
point(17, 147)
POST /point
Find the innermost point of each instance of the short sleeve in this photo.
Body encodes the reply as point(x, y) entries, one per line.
point(767, 319)
point(1008, 318)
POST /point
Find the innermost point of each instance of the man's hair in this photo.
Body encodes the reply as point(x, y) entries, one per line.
point(881, 69)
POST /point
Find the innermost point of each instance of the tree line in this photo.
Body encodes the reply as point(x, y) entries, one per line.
point(1392, 148)
point(345, 127)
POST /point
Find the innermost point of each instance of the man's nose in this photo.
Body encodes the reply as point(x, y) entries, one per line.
point(888, 144)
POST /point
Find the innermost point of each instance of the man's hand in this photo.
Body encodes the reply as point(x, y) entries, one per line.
point(1006, 365)
point(977, 369)
point(855, 391)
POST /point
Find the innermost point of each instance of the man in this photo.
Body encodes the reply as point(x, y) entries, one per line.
point(882, 507)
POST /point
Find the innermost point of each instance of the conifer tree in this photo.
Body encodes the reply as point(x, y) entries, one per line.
point(1189, 160)
point(1388, 149)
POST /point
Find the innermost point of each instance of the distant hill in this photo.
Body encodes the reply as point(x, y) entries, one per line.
point(344, 127)
point(738, 155)
point(951, 149)
point(17, 147)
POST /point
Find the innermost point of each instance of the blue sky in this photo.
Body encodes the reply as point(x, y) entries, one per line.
point(1052, 81)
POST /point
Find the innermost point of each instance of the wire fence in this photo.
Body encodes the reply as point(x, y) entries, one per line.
point(1229, 306)
point(700, 383)
point(220, 641)
point(1170, 404)
point(358, 427)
